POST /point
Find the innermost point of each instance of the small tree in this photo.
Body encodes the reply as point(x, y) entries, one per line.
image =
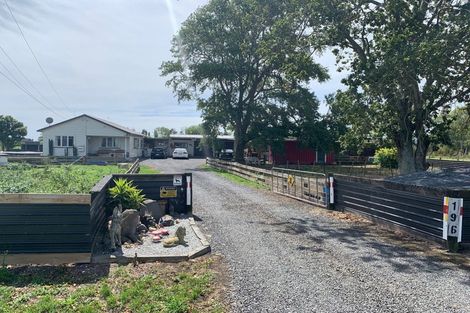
point(11, 132)
point(386, 157)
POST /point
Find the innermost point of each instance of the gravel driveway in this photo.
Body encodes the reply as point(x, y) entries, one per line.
point(285, 258)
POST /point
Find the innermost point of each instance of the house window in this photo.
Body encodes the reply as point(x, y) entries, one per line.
point(136, 143)
point(64, 141)
point(108, 142)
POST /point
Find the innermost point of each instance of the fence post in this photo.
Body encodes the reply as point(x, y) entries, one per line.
point(272, 179)
point(331, 189)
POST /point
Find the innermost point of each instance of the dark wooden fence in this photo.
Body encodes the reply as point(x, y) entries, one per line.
point(39, 223)
point(150, 185)
point(68, 224)
point(412, 208)
point(418, 209)
point(98, 213)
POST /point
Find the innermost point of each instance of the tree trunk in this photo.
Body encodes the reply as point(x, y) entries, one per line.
point(239, 145)
point(422, 146)
point(422, 140)
point(404, 140)
point(406, 158)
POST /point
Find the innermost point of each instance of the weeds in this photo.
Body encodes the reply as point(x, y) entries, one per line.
point(25, 178)
point(149, 288)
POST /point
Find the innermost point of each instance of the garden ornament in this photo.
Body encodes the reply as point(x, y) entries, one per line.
point(178, 239)
point(115, 229)
point(129, 223)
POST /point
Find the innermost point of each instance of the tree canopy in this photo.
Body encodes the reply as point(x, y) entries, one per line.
point(245, 62)
point(163, 132)
point(11, 132)
point(408, 62)
point(194, 130)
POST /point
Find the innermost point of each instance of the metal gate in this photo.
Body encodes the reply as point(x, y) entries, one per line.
point(310, 187)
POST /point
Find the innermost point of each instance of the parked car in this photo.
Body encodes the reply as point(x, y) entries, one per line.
point(180, 153)
point(158, 153)
point(226, 154)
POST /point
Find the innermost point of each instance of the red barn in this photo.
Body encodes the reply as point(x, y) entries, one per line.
point(294, 153)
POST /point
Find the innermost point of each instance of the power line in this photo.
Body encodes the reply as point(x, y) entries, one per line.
point(37, 61)
point(31, 95)
point(12, 75)
point(25, 77)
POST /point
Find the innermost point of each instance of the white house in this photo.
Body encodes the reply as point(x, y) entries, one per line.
point(87, 135)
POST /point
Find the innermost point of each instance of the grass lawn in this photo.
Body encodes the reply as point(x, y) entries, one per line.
point(193, 286)
point(24, 178)
point(234, 178)
point(145, 169)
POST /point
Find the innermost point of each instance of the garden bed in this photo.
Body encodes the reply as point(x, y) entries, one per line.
point(195, 286)
point(64, 179)
point(195, 245)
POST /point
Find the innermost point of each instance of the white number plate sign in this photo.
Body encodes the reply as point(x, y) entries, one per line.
point(452, 218)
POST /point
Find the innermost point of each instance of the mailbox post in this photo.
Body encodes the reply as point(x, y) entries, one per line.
point(452, 222)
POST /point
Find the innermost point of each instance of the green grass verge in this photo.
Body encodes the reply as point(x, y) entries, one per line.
point(25, 178)
point(234, 178)
point(145, 169)
point(151, 287)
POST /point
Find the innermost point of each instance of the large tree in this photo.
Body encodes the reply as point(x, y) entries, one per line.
point(408, 62)
point(11, 132)
point(244, 62)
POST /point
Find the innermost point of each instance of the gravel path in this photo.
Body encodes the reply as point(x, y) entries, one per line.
point(284, 258)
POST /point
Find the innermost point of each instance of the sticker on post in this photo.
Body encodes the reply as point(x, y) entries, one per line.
point(177, 180)
point(168, 192)
point(291, 180)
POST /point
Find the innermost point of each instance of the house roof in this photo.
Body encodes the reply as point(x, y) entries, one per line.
point(111, 124)
point(182, 136)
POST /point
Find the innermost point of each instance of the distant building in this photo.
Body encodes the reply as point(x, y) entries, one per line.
point(294, 153)
point(86, 135)
point(31, 145)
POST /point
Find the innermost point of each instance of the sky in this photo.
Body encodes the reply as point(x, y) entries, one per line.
point(102, 58)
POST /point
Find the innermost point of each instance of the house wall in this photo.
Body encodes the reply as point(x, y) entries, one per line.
point(80, 128)
point(94, 143)
point(295, 154)
point(135, 151)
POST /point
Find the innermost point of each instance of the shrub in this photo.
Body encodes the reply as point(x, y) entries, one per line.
point(126, 194)
point(386, 157)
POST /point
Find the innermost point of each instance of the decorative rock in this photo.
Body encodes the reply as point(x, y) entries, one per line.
point(160, 232)
point(178, 239)
point(166, 220)
point(155, 208)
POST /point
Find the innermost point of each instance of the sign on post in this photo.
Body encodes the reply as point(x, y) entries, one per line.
point(168, 192)
point(177, 180)
point(452, 218)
